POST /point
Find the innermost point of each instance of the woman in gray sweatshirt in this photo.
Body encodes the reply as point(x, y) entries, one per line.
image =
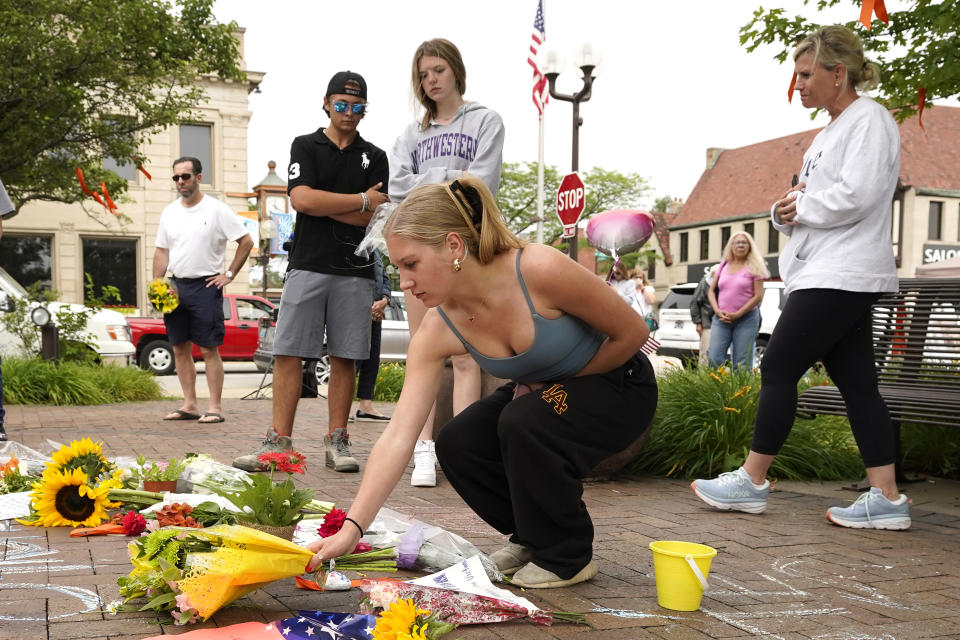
point(836, 264)
point(453, 137)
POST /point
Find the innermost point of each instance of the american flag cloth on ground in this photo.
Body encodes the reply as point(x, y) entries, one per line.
point(541, 93)
point(650, 346)
point(307, 625)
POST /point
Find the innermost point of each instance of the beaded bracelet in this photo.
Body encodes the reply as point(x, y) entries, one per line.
point(365, 207)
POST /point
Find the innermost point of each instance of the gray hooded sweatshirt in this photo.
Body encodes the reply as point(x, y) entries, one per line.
point(471, 142)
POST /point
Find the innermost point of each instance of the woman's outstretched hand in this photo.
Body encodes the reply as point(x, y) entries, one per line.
point(340, 543)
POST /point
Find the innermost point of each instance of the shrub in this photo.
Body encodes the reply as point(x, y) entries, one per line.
point(704, 426)
point(35, 381)
point(931, 449)
point(389, 382)
point(76, 342)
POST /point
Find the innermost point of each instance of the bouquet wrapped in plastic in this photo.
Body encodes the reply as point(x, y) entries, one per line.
point(459, 595)
point(424, 547)
point(203, 474)
point(194, 572)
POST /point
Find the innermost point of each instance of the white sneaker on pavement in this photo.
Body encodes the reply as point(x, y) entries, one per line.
point(424, 465)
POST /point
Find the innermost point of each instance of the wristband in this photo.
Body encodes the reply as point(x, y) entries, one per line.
point(365, 207)
point(357, 525)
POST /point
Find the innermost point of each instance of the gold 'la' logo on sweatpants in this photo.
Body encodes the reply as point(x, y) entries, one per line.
point(556, 396)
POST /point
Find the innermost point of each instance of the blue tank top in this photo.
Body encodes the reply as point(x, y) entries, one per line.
point(561, 347)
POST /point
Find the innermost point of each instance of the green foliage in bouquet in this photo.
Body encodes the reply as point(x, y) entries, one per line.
point(159, 471)
point(275, 504)
point(704, 425)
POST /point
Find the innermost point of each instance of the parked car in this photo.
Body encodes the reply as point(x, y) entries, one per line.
point(241, 317)
point(677, 334)
point(108, 331)
point(394, 340)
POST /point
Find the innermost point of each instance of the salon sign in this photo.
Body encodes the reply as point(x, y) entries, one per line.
point(940, 252)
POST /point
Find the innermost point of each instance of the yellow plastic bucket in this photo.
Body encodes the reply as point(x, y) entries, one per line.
point(681, 570)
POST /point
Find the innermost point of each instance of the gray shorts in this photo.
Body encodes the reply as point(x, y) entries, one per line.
point(314, 302)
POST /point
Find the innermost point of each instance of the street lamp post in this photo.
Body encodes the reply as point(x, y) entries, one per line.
point(267, 232)
point(553, 65)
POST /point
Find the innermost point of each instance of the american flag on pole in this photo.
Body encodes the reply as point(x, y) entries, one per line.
point(541, 93)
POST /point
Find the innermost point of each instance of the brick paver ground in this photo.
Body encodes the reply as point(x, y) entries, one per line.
point(784, 574)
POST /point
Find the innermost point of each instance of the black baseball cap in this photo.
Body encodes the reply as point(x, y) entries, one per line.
point(338, 84)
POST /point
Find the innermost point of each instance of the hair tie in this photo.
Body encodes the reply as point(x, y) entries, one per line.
point(471, 198)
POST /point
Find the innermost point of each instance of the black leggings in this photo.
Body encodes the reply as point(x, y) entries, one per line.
point(518, 463)
point(831, 326)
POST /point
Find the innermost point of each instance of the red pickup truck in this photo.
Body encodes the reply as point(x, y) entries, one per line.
point(241, 317)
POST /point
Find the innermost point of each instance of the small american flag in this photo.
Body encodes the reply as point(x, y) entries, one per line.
point(650, 346)
point(541, 93)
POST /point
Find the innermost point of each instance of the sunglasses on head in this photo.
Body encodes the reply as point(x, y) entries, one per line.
point(182, 176)
point(357, 109)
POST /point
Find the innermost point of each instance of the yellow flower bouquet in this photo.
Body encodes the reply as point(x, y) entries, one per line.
point(162, 296)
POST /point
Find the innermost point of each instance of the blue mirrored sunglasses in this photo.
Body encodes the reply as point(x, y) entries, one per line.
point(357, 109)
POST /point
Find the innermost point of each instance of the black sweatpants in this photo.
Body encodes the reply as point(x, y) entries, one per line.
point(833, 327)
point(519, 463)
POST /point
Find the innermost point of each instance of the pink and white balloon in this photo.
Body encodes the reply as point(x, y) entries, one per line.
point(620, 231)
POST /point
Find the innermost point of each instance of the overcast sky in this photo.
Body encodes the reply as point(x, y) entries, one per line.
point(674, 78)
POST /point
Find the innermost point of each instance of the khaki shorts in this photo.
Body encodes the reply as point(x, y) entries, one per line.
point(318, 308)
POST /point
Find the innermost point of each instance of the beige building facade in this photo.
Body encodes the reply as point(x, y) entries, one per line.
point(64, 242)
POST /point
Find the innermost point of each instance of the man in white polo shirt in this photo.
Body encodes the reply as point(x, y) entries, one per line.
point(191, 244)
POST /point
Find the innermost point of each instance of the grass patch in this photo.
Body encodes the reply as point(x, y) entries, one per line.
point(35, 381)
point(704, 425)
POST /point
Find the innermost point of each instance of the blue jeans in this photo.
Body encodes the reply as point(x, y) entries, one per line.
point(738, 336)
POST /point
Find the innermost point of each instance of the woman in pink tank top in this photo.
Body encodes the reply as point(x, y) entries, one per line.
point(735, 296)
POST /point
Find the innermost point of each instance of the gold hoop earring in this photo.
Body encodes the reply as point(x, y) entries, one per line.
point(457, 265)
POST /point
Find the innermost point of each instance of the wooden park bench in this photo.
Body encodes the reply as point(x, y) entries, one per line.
point(916, 346)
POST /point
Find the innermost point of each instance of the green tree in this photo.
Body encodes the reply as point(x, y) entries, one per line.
point(662, 204)
point(919, 48)
point(84, 80)
point(606, 190)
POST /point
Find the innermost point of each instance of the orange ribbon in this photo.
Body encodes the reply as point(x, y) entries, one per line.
point(868, 8)
point(83, 184)
point(110, 204)
point(142, 170)
point(793, 83)
point(921, 102)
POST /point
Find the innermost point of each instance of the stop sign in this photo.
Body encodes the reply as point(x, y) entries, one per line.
point(571, 199)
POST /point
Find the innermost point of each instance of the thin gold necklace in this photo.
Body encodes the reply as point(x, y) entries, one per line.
point(473, 316)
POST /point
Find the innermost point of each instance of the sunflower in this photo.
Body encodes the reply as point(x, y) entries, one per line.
point(62, 498)
point(113, 482)
point(398, 622)
point(82, 454)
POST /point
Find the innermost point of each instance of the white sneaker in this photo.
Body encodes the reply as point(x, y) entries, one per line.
point(424, 465)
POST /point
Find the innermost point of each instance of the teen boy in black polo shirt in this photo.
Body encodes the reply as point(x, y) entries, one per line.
point(335, 181)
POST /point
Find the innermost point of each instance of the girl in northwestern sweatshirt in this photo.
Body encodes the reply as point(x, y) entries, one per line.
point(453, 137)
